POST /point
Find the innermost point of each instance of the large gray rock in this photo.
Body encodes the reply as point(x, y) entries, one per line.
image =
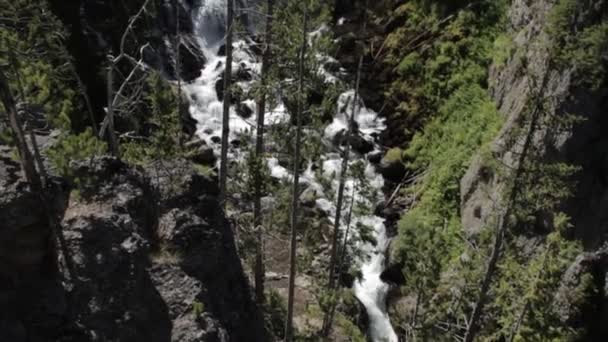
point(149, 261)
point(32, 301)
point(576, 302)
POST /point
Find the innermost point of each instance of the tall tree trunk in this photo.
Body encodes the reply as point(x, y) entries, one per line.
point(37, 157)
point(178, 67)
point(87, 101)
point(259, 156)
point(504, 219)
point(27, 161)
point(327, 320)
point(296, 180)
point(113, 141)
point(348, 225)
point(227, 98)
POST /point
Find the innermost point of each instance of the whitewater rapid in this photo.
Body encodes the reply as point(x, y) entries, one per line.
point(206, 109)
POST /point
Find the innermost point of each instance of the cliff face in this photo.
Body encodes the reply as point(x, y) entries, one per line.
point(584, 145)
point(149, 263)
point(95, 29)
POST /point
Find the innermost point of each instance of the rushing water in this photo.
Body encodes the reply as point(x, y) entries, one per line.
point(206, 108)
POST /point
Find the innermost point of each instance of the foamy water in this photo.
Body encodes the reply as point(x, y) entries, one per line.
point(206, 108)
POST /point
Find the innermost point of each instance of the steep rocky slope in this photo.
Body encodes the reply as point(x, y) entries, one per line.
point(584, 144)
point(148, 261)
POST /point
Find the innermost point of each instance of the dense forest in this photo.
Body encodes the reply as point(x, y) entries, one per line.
point(303, 170)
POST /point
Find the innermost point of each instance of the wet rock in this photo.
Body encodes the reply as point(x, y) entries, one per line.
point(244, 111)
point(201, 153)
point(243, 74)
point(393, 275)
point(222, 50)
point(219, 90)
point(392, 171)
point(375, 157)
point(577, 303)
point(358, 143)
point(361, 145)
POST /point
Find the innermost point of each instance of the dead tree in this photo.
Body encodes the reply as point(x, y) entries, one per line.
point(113, 98)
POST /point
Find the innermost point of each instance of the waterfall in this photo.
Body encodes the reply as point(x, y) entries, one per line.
point(206, 108)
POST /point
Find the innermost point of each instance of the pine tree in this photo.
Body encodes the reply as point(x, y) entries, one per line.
point(504, 220)
point(296, 180)
point(259, 156)
point(27, 161)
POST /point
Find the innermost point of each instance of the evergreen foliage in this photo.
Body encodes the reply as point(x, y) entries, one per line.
point(439, 48)
point(32, 43)
point(580, 35)
point(159, 134)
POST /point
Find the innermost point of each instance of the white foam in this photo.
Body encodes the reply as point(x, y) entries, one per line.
point(207, 109)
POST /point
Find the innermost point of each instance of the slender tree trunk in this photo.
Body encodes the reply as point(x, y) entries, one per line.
point(83, 91)
point(178, 67)
point(526, 306)
point(259, 156)
point(296, 180)
point(347, 232)
point(113, 141)
point(30, 170)
point(37, 157)
point(504, 219)
point(227, 99)
point(328, 319)
point(27, 162)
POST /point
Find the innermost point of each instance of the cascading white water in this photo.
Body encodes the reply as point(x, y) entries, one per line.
point(206, 108)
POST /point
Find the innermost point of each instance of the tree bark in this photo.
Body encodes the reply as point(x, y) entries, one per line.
point(259, 156)
point(112, 140)
point(226, 112)
point(30, 170)
point(296, 181)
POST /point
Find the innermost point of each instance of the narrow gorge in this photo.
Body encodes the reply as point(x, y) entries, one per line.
point(425, 170)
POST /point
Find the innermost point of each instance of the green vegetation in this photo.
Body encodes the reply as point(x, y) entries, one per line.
point(32, 43)
point(157, 135)
point(197, 308)
point(580, 40)
point(74, 147)
point(438, 49)
point(443, 102)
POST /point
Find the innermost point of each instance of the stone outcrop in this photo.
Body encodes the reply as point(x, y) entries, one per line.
point(27, 265)
point(149, 261)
